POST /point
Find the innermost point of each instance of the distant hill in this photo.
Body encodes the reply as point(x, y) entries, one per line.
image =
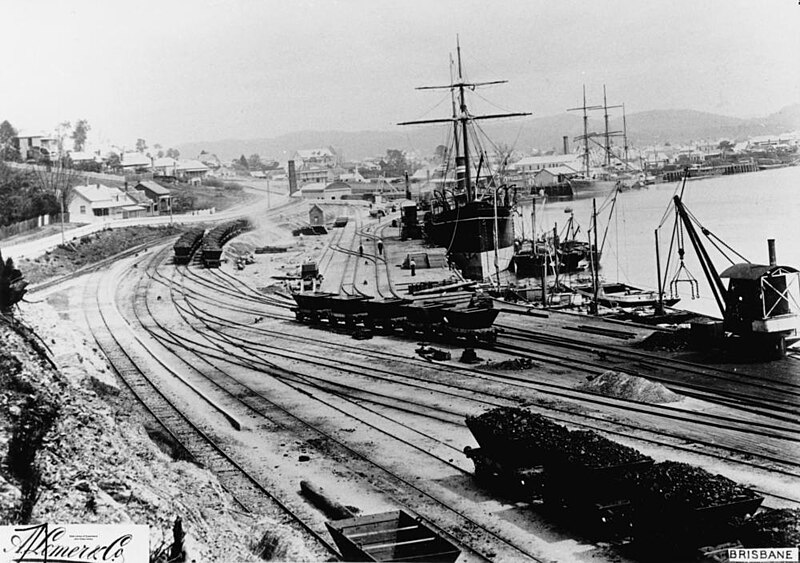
point(544, 133)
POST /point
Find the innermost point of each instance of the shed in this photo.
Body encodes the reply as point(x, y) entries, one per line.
point(337, 190)
point(761, 298)
point(316, 216)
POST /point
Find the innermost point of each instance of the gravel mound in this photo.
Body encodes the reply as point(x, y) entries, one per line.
point(624, 386)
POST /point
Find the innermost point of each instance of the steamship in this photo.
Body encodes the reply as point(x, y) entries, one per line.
point(471, 215)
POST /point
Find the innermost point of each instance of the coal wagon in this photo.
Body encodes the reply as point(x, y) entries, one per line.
point(185, 247)
point(216, 239)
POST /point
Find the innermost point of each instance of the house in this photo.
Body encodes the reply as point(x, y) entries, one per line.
point(156, 193)
point(316, 216)
point(36, 147)
point(314, 174)
point(323, 156)
point(149, 207)
point(165, 167)
point(135, 161)
point(96, 202)
point(192, 171)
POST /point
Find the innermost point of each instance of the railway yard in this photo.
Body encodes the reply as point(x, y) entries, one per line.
point(217, 357)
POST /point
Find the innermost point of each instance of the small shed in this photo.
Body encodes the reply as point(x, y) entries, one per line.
point(316, 216)
point(761, 298)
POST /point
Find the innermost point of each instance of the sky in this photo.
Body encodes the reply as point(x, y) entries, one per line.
point(173, 71)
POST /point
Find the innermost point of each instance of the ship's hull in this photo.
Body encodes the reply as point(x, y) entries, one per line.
point(468, 233)
point(585, 189)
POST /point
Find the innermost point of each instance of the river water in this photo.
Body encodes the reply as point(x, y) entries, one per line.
point(743, 210)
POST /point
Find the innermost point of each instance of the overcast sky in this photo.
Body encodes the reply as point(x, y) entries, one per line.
point(192, 70)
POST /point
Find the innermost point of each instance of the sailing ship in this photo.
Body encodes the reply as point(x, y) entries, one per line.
point(471, 216)
point(599, 182)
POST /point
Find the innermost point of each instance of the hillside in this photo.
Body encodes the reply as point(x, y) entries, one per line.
point(545, 133)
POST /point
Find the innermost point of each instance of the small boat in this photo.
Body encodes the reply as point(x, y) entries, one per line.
point(624, 295)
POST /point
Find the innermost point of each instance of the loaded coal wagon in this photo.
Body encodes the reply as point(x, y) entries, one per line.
point(216, 239)
point(187, 245)
point(603, 487)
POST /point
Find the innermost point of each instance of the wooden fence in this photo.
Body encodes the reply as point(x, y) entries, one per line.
point(31, 224)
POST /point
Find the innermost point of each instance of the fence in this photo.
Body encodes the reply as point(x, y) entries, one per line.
point(31, 224)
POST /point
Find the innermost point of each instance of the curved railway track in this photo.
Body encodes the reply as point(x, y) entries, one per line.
point(259, 403)
point(245, 489)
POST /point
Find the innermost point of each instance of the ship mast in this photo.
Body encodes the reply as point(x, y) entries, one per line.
point(608, 133)
point(585, 135)
point(463, 118)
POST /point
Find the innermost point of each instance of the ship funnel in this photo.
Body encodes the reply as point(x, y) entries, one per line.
point(565, 140)
point(773, 261)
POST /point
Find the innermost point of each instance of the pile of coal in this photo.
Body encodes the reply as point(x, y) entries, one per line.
point(772, 528)
point(586, 448)
point(689, 486)
point(517, 364)
point(515, 429)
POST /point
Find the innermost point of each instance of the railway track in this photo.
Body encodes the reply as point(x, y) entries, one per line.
point(393, 482)
point(563, 391)
point(220, 336)
point(719, 422)
point(245, 489)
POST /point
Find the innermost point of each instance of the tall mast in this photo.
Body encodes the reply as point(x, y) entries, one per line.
point(585, 136)
point(605, 116)
point(625, 134)
point(453, 104)
point(463, 117)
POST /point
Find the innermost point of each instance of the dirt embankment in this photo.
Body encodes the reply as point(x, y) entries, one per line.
point(66, 258)
point(75, 450)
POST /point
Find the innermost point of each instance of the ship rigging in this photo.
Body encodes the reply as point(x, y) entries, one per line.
point(475, 223)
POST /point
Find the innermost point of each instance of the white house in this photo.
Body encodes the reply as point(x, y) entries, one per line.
point(96, 202)
point(135, 161)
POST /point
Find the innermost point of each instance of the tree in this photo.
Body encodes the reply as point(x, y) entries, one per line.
point(112, 160)
point(243, 162)
point(7, 134)
point(141, 145)
point(254, 162)
point(395, 163)
point(59, 182)
point(62, 130)
point(173, 153)
point(79, 133)
point(160, 154)
point(440, 153)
